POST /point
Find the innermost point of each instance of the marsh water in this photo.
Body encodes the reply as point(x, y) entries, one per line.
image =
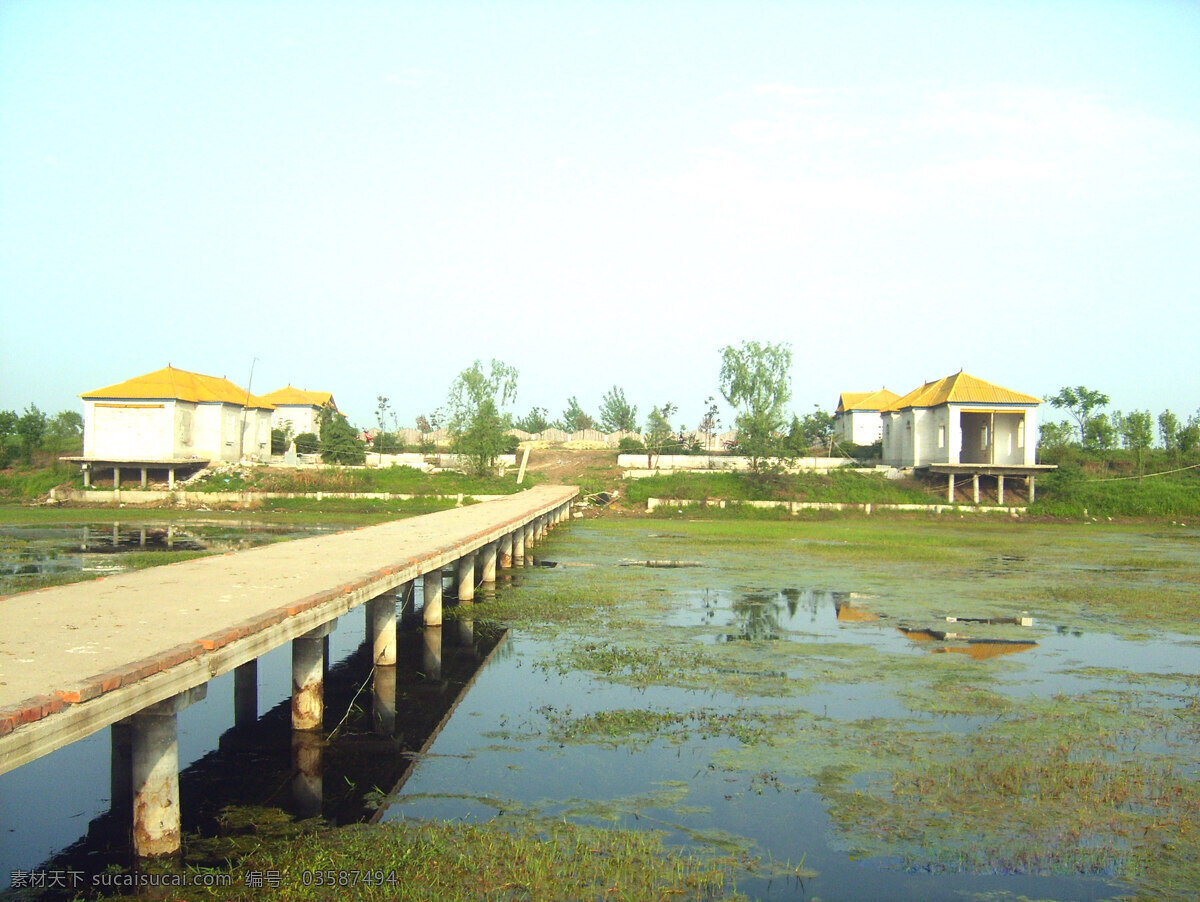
point(970, 719)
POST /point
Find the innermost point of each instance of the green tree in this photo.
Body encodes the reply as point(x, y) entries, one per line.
point(31, 427)
point(307, 443)
point(534, 422)
point(10, 441)
point(477, 424)
point(1080, 402)
point(574, 418)
point(1188, 436)
point(616, 413)
point(1168, 430)
point(755, 379)
point(1055, 436)
point(64, 432)
point(384, 444)
point(340, 443)
point(659, 435)
point(817, 428)
point(710, 422)
point(1137, 433)
point(1099, 433)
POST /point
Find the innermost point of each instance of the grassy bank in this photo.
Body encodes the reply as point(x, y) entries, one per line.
point(838, 485)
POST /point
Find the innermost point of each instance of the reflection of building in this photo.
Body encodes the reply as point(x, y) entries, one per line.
point(172, 418)
point(300, 408)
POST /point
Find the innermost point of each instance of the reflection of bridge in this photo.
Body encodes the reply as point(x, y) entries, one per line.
point(133, 650)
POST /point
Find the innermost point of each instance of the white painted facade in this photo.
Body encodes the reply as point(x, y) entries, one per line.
point(303, 418)
point(1001, 435)
point(860, 427)
point(171, 429)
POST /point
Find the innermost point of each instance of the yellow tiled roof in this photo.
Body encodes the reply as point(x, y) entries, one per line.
point(300, 397)
point(865, 400)
point(181, 386)
point(961, 388)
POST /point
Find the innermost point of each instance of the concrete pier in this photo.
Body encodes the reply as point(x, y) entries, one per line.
point(431, 585)
point(487, 562)
point(465, 576)
point(382, 611)
point(308, 678)
point(155, 776)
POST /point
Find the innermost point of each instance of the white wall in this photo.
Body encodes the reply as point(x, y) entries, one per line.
point(128, 429)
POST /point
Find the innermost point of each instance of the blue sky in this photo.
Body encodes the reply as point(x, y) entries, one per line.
point(365, 197)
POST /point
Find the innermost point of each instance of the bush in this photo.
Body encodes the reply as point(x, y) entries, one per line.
point(307, 443)
point(630, 444)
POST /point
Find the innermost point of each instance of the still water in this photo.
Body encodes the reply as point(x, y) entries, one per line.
point(479, 730)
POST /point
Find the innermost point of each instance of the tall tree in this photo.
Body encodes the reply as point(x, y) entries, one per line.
point(1137, 433)
point(710, 422)
point(658, 427)
point(339, 442)
point(31, 427)
point(537, 420)
point(1080, 402)
point(1168, 430)
point(616, 413)
point(477, 422)
point(755, 379)
point(574, 418)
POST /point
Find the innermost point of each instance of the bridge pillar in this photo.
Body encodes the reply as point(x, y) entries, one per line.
point(466, 577)
point(487, 562)
point(155, 766)
point(308, 774)
point(384, 695)
point(245, 694)
point(308, 678)
point(1000, 489)
point(382, 614)
point(518, 546)
point(539, 528)
point(950, 490)
point(506, 551)
point(530, 540)
point(432, 584)
point(975, 487)
point(1032, 484)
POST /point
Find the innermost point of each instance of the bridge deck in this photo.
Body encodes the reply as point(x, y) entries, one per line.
point(76, 658)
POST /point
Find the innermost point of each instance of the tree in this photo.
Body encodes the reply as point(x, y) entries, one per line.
point(1168, 430)
point(817, 427)
point(658, 427)
point(537, 420)
point(64, 431)
point(1189, 436)
point(710, 422)
point(477, 425)
point(1099, 433)
point(617, 414)
point(383, 408)
point(1079, 402)
point(31, 427)
point(1137, 432)
point(1054, 436)
point(340, 443)
point(755, 379)
point(574, 418)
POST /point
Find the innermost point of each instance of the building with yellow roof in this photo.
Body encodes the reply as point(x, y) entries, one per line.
point(173, 417)
point(298, 408)
point(961, 419)
point(858, 419)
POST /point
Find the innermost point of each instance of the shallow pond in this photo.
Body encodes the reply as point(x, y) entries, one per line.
point(773, 708)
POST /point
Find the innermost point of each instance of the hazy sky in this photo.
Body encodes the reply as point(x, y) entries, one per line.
point(365, 197)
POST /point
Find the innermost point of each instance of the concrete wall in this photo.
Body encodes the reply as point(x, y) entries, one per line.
point(304, 418)
point(952, 434)
point(128, 428)
point(862, 427)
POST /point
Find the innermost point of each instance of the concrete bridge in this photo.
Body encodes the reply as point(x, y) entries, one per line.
point(131, 651)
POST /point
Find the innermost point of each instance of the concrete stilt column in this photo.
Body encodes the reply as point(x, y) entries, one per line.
point(975, 487)
point(116, 478)
point(1031, 481)
point(506, 551)
point(466, 577)
point(384, 700)
point(518, 546)
point(171, 478)
point(487, 562)
point(144, 481)
point(116, 535)
point(155, 767)
point(245, 694)
point(432, 652)
point(308, 678)
point(950, 490)
point(530, 540)
point(142, 537)
point(87, 476)
point(382, 612)
point(1000, 489)
point(121, 770)
point(432, 584)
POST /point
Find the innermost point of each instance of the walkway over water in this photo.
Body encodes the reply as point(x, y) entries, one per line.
point(140, 646)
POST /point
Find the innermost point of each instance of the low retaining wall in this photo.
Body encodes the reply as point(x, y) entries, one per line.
point(797, 506)
point(158, 496)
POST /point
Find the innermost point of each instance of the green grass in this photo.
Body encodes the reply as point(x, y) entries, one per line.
point(414, 861)
point(838, 485)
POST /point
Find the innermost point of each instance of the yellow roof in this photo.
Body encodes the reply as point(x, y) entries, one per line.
point(865, 400)
point(961, 388)
point(181, 386)
point(298, 397)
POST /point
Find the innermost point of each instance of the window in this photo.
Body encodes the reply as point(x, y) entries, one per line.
point(983, 436)
point(941, 436)
point(1021, 433)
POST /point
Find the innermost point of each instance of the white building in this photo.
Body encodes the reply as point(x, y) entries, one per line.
point(172, 416)
point(961, 420)
point(302, 409)
point(858, 419)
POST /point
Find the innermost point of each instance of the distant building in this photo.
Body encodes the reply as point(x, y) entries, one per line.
point(299, 407)
point(170, 418)
point(961, 420)
point(858, 419)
